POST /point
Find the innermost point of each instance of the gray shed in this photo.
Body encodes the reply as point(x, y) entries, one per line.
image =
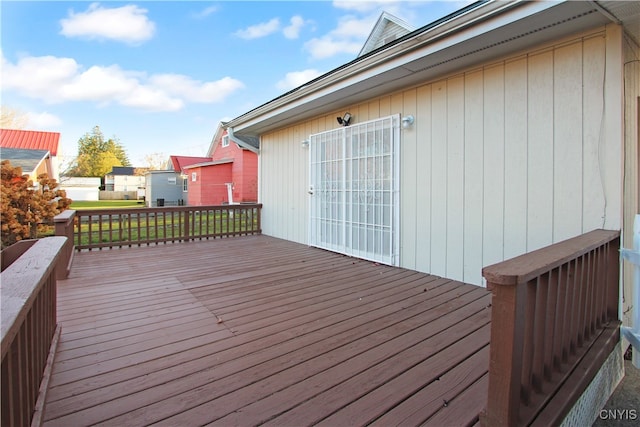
point(165, 188)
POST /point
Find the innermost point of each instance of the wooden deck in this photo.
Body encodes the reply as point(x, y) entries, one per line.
point(256, 330)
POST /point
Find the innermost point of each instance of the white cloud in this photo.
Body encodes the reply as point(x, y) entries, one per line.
point(196, 91)
point(149, 98)
point(259, 30)
point(347, 38)
point(44, 121)
point(128, 24)
point(205, 12)
point(58, 80)
point(293, 31)
point(297, 78)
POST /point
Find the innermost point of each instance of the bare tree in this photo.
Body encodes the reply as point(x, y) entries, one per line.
point(12, 118)
point(156, 161)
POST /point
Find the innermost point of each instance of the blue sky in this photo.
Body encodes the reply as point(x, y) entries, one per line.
point(161, 75)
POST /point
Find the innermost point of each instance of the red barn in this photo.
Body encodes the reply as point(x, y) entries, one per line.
point(233, 166)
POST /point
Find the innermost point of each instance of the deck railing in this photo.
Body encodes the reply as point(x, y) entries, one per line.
point(109, 228)
point(29, 329)
point(554, 322)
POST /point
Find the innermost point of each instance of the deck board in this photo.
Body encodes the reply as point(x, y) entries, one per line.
point(252, 330)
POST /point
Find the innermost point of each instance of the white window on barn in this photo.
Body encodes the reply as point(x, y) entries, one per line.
point(193, 176)
point(225, 141)
point(354, 186)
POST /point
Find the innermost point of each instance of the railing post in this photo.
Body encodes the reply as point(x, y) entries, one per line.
point(505, 359)
point(186, 232)
point(259, 212)
point(64, 227)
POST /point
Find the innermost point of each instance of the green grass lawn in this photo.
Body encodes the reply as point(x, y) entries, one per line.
point(107, 204)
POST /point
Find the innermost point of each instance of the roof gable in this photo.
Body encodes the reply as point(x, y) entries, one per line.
point(30, 140)
point(387, 29)
point(181, 162)
point(247, 142)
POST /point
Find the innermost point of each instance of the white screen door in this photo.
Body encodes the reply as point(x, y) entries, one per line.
point(354, 187)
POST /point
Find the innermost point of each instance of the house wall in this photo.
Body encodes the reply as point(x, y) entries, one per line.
point(127, 182)
point(163, 185)
point(245, 177)
point(244, 173)
point(44, 167)
point(631, 163)
point(231, 151)
point(209, 187)
point(502, 159)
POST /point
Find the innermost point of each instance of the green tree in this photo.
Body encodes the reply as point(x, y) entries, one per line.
point(26, 208)
point(97, 156)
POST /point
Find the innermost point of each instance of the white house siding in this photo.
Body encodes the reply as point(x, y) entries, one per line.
point(502, 159)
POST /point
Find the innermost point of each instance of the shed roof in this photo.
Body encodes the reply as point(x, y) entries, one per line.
point(26, 159)
point(30, 140)
point(179, 163)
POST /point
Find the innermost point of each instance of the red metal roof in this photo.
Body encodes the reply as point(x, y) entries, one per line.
point(180, 162)
point(30, 140)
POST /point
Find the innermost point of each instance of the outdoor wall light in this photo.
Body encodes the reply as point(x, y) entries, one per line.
point(407, 121)
point(344, 121)
point(305, 143)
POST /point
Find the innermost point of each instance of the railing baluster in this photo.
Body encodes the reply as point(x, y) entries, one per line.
point(563, 314)
point(539, 333)
point(527, 345)
point(550, 323)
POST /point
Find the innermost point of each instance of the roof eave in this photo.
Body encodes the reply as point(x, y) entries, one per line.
point(427, 52)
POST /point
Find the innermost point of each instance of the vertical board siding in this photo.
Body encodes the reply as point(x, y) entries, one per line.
point(423, 181)
point(632, 161)
point(611, 149)
point(473, 182)
point(567, 138)
point(593, 132)
point(438, 201)
point(502, 159)
point(540, 150)
point(455, 177)
point(408, 173)
point(493, 216)
point(515, 158)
